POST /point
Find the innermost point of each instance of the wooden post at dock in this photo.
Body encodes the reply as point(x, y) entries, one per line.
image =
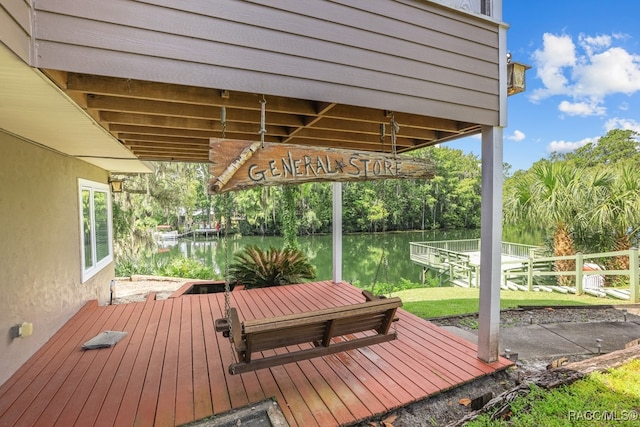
point(634, 275)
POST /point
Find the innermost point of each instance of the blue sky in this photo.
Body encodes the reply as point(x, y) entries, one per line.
point(584, 80)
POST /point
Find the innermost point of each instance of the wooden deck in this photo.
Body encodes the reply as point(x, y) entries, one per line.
point(172, 367)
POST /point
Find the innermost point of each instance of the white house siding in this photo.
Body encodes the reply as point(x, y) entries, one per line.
point(418, 57)
point(40, 265)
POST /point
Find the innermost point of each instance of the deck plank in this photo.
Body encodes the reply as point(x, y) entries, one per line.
point(108, 374)
point(157, 370)
point(42, 389)
point(130, 400)
point(184, 402)
point(70, 399)
point(327, 393)
point(172, 367)
point(312, 399)
point(32, 367)
point(220, 400)
point(256, 309)
point(125, 373)
point(202, 401)
point(165, 400)
point(318, 298)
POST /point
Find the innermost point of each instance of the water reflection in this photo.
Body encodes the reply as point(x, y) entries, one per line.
point(367, 258)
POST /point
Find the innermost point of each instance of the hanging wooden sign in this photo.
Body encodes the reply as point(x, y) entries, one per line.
point(238, 164)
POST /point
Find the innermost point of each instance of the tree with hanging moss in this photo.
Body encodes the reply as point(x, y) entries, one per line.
point(290, 220)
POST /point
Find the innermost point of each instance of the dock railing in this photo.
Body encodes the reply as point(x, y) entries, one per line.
point(451, 255)
point(447, 256)
point(454, 257)
point(544, 266)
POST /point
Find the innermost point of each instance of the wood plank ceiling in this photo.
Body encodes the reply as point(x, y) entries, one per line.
point(167, 122)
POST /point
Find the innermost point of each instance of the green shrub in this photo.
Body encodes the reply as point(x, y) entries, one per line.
point(129, 266)
point(187, 268)
point(256, 268)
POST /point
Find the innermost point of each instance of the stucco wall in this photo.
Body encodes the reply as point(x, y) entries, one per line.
point(40, 264)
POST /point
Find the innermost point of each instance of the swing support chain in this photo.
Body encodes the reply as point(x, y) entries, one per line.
point(263, 126)
point(223, 121)
point(227, 285)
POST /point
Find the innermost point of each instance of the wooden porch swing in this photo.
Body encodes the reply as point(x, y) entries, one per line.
point(327, 330)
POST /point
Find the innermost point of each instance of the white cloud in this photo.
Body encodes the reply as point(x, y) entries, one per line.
point(612, 71)
point(596, 43)
point(583, 109)
point(587, 72)
point(567, 146)
point(625, 124)
point(558, 53)
point(516, 136)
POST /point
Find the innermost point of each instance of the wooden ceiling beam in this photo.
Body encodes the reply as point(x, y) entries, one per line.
point(161, 138)
point(169, 149)
point(110, 117)
point(145, 106)
point(372, 128)
point(171, 157)
point(355, 138)
point(176, 121)
point(174, 109)
point(309, 121)
point(138, 146)
point(112, 86)
point(216, 132)
point(148, 139)
point(345, 112)
point(118, 129)
point(361, 146)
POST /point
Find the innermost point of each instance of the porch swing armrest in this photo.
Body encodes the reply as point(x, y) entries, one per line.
point(236, 331)
point(231, 326)
point(369, 296)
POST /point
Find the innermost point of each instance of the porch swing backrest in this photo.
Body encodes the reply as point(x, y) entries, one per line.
point(318, 327)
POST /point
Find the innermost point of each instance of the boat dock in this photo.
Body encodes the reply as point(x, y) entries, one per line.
point(527, 268)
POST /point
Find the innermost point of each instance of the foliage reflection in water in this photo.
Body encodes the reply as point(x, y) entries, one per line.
point(362, 253)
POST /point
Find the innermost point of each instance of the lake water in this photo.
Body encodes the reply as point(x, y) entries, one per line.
point(361, 252)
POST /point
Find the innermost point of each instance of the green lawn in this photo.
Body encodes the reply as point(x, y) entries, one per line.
point(436, 302)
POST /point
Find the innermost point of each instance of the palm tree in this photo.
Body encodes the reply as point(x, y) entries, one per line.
point(616, 215)
point(548, 196)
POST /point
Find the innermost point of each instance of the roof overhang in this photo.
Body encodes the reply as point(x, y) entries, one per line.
point(35, 109)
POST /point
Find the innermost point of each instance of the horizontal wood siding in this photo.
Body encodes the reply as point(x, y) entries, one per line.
point(15, 26)
point(420, 58)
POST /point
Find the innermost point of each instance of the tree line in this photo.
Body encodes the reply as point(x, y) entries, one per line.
point(177, 195)
point(587, 200)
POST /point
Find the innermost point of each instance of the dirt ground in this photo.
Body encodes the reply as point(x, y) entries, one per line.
point(444, 408)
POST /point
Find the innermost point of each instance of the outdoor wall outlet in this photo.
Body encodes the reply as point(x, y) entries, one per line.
point(25, 329)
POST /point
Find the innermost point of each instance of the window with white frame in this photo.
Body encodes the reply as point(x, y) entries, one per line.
point(95, 227)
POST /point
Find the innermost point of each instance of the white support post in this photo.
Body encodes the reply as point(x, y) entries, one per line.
point(337, 232)
point(490, 244)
